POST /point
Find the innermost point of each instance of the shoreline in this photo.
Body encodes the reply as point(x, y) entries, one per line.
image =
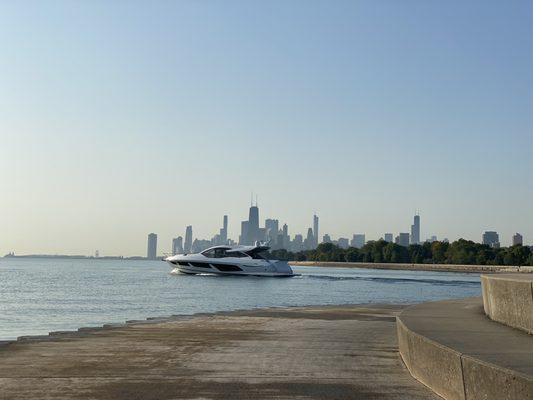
point(416, 267)
point(54, 336)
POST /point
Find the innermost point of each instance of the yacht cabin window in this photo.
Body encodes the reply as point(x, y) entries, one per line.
point(237, 254)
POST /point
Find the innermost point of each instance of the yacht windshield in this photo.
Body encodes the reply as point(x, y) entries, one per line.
point(259, 254)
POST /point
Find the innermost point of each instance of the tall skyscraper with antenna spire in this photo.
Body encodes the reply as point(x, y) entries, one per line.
point(315, 229)
point(253, 224)
point(250, 229)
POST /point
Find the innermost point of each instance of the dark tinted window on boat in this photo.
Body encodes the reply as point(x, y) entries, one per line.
point(227, 267)
point(235, 254)
point(259, 254)
point(219, 253)
point(209, 253)
point(216, 253)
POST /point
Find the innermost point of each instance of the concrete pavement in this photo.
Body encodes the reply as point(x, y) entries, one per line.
point(340, 352)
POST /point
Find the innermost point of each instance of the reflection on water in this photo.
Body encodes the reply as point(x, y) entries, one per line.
point(42, 295)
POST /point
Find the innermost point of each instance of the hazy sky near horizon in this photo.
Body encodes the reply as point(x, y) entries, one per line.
point(122, 118)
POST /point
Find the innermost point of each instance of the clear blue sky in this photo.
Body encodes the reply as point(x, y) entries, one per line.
point(122, 118)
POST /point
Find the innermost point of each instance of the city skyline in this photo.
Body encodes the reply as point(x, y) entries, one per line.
point(359, 111)
point(279, 237)
point(183, 241)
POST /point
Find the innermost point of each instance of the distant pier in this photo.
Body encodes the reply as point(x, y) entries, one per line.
point(418, 267)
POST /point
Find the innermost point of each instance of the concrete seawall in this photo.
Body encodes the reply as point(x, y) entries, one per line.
point(417, 267)
point(508, 299)
point(455, 350)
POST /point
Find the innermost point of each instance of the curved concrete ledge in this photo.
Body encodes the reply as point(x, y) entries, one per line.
point(455, 350)
point(508, 299)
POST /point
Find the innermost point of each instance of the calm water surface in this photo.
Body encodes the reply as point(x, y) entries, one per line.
point(42, 295)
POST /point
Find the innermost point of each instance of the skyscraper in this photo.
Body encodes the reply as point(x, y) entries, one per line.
point(518, 239)
point(326, 239)
point(177, 245)
point(415, 230)
point(224, 231)
point(272, 228)
point(151, 254)
point(491, 238)
point(297, 243)
point(286, 237)
point(389, 238)
point(403, 239)
point(309, 242)
point(187, 247)
point(343, 243)
point(243, 238)
point(358, 241)
point(253, 225)
point(315, 230)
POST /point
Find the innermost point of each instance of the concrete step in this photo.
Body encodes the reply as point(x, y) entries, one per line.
point(459, 353)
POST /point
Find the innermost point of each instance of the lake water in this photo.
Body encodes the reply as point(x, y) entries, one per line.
point(42, 295)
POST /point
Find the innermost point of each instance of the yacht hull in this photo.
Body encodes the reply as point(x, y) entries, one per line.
point(280, 268)
point(225, 260)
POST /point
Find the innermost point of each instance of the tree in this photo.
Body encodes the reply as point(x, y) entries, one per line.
point(416, 254)
point(438, 252)
point(516, 255)
point(352, 255)
point(394, 253)
point(462, 252)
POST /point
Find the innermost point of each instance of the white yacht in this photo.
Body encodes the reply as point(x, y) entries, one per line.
point(228, 260)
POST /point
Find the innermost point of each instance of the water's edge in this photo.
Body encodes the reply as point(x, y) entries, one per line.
point(85, 331)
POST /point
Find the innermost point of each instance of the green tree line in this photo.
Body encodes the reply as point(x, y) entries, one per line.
point(459, 252)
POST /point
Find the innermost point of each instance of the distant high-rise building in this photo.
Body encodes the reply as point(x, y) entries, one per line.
point(326, 238)
point(315, 230)
point(223, 235)
point(187, 247)
point(403, 239)
point(280, 243)
point(253, 225)
point(243, 238)
point(415, 230)
point(177, 245)
point(343, 243)
point(309, 242)
point(200, 245)
point(297, 243)
point(389, 238)
point(262, 235)
point(518, 240)
point(358, 241)
point(286, 237)
point(152, 246)
point(272, 228)
point(492, 239)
